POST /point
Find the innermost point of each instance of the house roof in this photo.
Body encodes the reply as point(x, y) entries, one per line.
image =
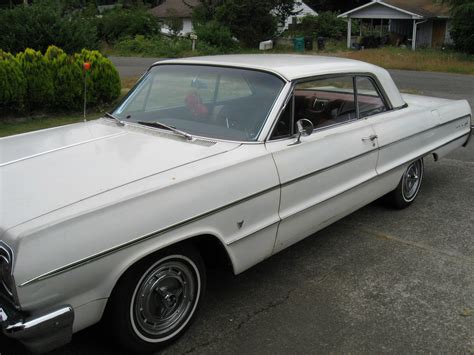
point(416, 8)
point(179, 8)
point(425, 8)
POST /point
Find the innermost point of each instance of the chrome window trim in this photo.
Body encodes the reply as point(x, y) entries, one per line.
point(372, 77)
point(286, 97)
point(381, 94)
point(289, 100)
point(258, 139)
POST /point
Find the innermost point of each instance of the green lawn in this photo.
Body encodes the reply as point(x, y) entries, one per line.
point(17, 126)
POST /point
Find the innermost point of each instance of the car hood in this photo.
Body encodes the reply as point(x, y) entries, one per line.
point(43, 171)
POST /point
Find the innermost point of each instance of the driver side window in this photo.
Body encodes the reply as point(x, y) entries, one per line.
point(326, 102)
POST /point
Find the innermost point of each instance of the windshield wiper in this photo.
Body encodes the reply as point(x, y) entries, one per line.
point(165, 126)
point(118, 120)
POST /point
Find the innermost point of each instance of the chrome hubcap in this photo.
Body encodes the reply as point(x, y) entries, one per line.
point(411, 180)
point(164, 299)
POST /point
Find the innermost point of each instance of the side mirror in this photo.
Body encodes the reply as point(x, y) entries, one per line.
point(305, 128)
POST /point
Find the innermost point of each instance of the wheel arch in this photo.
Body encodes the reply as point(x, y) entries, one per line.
point(211, 248)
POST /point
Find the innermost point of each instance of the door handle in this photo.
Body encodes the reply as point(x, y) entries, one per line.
point(372, 137)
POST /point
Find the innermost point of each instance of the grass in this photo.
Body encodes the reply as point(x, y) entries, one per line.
point(17, 126)
point(421, 59)
point(434, 60)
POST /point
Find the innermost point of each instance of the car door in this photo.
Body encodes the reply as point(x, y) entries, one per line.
point(324, 177)
point(403, 134)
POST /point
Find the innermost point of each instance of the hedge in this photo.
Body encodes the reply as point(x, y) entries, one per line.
point(31, 81)
point(66, 76)
point(103, 85)
point(12, 83)
point(39, 83)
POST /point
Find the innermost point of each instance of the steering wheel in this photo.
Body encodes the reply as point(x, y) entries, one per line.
point(225, 119)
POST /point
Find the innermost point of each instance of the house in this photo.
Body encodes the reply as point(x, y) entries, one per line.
point(301, 10)
point(424, 23)
point(183, 10)
point(176, 9)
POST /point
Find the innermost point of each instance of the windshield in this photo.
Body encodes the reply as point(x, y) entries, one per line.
point(215, 102)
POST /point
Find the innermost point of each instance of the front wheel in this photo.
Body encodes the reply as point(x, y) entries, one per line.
point(408, 187)
point(157, 299)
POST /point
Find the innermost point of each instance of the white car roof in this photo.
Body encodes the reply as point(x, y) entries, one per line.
point(293, 66)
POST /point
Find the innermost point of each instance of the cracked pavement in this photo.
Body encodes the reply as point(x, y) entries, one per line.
point(377, 281)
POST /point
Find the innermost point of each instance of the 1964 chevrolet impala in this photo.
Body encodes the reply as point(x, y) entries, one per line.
point(207, 160)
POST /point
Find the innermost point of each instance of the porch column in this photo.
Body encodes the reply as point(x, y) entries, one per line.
point(413, 37)
point(349, 29)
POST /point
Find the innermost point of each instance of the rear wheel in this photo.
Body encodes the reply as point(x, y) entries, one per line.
point(157, 299)
point(408, 187)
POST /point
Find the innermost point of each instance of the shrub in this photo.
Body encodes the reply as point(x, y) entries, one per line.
point(119, 23)
point(33, 82)
point(39, 83)
point(250, 21)
point(103, 82)
point(159, 46)
point(41, 24)
point(174, 22)
point(326, 24)
point(12, 83)
point(216, 35)
point(67, 79)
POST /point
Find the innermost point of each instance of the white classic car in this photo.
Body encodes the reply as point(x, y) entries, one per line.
point(225, 159)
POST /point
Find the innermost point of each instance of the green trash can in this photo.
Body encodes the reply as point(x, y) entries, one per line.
point(298, 44)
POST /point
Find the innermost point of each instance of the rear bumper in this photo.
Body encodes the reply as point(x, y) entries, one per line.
point(469, 136)
point(41, 332)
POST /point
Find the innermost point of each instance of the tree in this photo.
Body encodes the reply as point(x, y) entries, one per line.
point(335, 5)
point(174, 22)
point(462, 25)
point(205, 11)
point(326, 24)
point(250, 21)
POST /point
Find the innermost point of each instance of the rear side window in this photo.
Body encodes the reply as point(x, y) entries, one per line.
point(368, 98)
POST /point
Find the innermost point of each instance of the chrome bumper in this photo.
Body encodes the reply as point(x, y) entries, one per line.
point(471, 132)
point(41, 332)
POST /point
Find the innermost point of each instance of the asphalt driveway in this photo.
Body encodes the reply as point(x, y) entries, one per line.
point(378, 281)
